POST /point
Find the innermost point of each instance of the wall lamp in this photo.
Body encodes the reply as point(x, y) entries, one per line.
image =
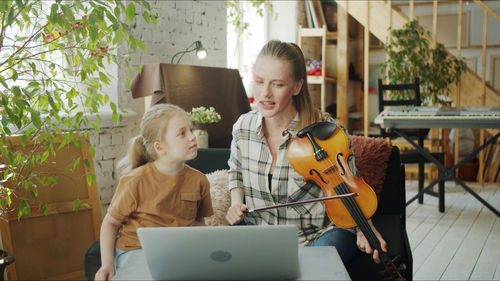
point(201, 52)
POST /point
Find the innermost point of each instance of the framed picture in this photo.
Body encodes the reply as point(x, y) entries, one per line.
point(330, 12)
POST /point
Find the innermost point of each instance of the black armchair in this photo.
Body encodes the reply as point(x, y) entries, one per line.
point(389, 219)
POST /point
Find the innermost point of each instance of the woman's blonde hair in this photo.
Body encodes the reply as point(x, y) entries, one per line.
point(303, 103)
point(153, 127)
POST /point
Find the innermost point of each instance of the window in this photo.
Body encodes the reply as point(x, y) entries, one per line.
point(242, 51)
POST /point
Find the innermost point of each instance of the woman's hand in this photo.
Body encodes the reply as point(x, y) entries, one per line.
point(364, 246)
point(236, 213)
point(106, 272)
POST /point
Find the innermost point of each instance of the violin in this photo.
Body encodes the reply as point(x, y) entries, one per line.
point(320, 153)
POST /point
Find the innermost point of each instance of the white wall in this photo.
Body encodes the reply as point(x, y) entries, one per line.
point(284, 27)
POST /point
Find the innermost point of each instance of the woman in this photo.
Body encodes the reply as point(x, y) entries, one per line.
point(260, 174)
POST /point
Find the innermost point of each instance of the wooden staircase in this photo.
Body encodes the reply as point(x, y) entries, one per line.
point(380, 16)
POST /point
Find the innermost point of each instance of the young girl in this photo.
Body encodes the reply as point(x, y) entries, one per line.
point(159, 190)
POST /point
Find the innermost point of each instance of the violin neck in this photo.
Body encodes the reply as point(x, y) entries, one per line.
point(359, 217)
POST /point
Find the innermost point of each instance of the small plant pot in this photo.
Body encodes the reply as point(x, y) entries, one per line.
point(201, 137)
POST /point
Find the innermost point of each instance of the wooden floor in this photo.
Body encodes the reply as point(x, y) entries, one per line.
point(463, 243)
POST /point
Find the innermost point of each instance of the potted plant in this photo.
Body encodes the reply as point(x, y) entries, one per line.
point(410, 54)
point(53, 64)
point(201, 116)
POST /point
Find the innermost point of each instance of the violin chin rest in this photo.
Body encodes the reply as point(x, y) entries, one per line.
point(320, 130)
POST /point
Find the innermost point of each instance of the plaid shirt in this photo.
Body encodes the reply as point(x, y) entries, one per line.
point(250, 163)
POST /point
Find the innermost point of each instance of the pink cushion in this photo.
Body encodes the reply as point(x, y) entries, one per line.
point(371, 155)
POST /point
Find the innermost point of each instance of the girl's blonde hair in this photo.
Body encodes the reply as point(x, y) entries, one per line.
point(153, 127)
point(303, 103)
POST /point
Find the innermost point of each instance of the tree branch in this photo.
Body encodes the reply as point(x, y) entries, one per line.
point(2, 32)
point(4, 27)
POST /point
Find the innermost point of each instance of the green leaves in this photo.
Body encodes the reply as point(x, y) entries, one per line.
point(410, 55)
point(130, 12)
point(52, 70)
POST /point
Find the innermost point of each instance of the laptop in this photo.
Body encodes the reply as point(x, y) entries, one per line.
point(221, 252)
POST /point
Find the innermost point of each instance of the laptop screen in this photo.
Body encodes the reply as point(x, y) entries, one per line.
point(221, 252)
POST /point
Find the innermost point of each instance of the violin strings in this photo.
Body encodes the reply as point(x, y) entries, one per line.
point(357, 213)
point(361, 220)
point(353, 207)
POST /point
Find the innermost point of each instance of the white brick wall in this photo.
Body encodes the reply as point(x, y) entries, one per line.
point(180, 23)
point(110, 146)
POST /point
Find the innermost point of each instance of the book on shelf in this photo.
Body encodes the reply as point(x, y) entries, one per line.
point(314, 13)
point(308, 15)
point(314, 18)
point(318, 13)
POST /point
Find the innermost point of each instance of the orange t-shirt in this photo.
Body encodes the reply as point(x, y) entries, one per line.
point(147, 198)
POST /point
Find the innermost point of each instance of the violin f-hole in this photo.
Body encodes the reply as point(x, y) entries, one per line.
point(342, 169)
point(313, 171)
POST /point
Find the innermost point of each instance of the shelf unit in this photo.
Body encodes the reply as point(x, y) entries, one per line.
point(340, 38)
point(322, 34)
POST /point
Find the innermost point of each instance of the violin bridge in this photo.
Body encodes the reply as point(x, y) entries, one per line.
point(329, 169)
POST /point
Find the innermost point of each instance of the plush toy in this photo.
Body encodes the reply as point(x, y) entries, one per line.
point(221, 198)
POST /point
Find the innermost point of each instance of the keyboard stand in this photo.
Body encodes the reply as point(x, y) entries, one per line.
point(448, 172)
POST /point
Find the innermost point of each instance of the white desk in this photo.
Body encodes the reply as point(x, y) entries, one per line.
point(315, 263)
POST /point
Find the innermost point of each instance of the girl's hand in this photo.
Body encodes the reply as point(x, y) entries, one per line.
point(236, 213)
point(106, 272)
point(364, 246)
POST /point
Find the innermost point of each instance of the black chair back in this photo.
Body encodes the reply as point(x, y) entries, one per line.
point(414, 100)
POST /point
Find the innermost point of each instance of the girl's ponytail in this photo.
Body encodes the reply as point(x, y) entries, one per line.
point(136, 155)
